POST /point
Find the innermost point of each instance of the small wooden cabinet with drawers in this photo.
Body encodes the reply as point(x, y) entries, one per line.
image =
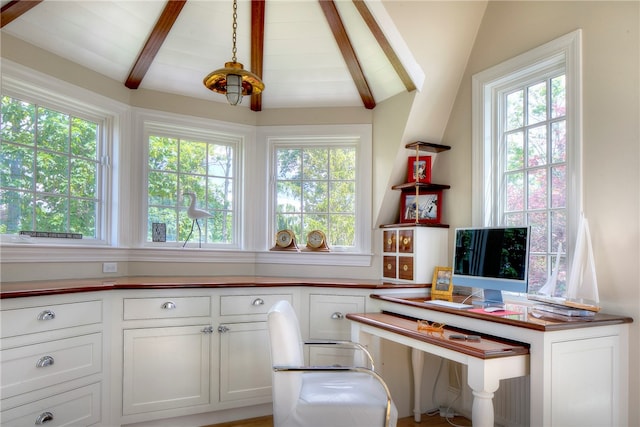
point(411, 252)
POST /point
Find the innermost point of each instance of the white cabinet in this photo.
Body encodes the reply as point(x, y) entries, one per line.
point(166, 354)
point(245, 365)
point(411, 253)
point(51, 360)
point(327, 321)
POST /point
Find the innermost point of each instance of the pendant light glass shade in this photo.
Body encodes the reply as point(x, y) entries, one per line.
point(233, 80)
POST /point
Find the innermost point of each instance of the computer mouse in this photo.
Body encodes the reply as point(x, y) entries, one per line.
point(493, 309)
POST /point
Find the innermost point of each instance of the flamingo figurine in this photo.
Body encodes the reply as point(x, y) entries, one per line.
point(195, 214)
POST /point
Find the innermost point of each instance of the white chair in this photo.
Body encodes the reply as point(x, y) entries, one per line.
point(305, 396)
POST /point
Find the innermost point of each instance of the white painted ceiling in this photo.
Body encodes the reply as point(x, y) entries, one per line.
point(303, 66)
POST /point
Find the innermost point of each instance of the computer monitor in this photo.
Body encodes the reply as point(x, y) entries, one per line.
point(494, 259)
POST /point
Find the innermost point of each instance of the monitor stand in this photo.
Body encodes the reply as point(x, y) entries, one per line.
point(492, 298)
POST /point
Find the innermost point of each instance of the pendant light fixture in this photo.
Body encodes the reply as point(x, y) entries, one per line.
point(233, 80)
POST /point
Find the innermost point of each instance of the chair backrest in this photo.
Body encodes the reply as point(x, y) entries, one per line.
point(286, 350)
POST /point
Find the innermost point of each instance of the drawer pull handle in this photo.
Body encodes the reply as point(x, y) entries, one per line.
point(389, 266)
point(169, 305)
point(208, 330)
point(223, 329)
point(44, 417)
point(337, 315)
point(405, 267)
point(406, 241)
point(44, 361)
point(258, 302)
point(46, 315)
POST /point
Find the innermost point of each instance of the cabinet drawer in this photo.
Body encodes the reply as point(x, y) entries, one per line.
point(389, 267)
point(79, 407)
point(44, 318)
point(405, 268)
point(233, 305)
point(389, 244)
point(166, 307)
point(327, 315)
point(405, 241)
point(36, 366)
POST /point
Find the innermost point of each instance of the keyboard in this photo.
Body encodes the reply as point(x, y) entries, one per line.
point(449, 304)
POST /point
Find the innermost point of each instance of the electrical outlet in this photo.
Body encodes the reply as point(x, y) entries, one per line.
point(109, 267)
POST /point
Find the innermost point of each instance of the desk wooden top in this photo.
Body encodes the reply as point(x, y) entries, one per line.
point(486, 348)
point(525, 316)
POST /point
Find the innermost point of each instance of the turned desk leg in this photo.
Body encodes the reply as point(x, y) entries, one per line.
point(417, 363)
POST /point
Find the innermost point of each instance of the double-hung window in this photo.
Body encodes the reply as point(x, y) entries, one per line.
point(53, 170)
point(527, 151)
point(192, 166)
point(322, 183)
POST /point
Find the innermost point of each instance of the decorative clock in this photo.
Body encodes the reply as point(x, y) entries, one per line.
point(317, 242)
point(285, 241)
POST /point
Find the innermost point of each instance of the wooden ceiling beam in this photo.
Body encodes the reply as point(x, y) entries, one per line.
point(14, 9)
point(348, 53)
point(257, 47)
point(157, 37)
point(384, 44)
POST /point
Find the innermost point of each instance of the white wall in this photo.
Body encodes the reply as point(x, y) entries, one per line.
point(611, 53)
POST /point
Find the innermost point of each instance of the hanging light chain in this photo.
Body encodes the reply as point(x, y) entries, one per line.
point(235, 27)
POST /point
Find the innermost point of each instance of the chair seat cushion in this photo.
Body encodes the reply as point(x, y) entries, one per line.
point(341, 399)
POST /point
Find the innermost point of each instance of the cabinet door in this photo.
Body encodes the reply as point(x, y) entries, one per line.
point(245, 364)
point(165, 368)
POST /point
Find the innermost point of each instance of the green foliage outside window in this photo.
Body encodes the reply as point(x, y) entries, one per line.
point(316, 190)
point(49, 166)
point(179, 165)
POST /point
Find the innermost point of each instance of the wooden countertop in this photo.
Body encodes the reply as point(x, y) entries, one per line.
point(520, 315)
point(52, 287)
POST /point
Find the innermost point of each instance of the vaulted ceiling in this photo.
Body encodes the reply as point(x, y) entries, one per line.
point(310, 53)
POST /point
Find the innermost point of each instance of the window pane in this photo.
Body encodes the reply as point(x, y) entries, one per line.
point(220, 161)
point(288, 196)
point(291, 222)
point(193, 157)
point(16, 209)
point(537, 146)
point(315, 222)
point(558, 97)
point(167, 216)
point(163, 153)
point(343, 230)
point(315, 196)
point(84, 140)
point(515, 151)
point(559, 141)
point(83, 178)
point(343, 197)
point(163, 189)
point(83, 217)
point(558, 230)
point(342, 163)
point(537, 103)
point(288, 163)
point(220, 227)
point(315, 164)
point(537, 271)
point(17, 123)
point(220, 194)
point(52, 173)
point(16, 166)
point(514, 110)
point(515, 192)
point(539, 232)
point(537, 189)
point(51, 213)
point(53, 130)
point(558, 187)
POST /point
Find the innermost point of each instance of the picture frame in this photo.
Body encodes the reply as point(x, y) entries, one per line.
point(419, 169)
point(428, 211)
point(442, 284)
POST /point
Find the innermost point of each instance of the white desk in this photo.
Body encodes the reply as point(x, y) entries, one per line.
point(578, 370)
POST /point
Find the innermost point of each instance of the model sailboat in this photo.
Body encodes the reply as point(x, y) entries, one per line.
point(582, 284)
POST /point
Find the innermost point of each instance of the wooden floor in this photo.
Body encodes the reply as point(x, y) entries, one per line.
point(427, 421)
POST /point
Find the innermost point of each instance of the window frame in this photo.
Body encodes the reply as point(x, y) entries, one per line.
point(30, 86)
point(324, 136)
point(487, 88)
point(183, 127)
